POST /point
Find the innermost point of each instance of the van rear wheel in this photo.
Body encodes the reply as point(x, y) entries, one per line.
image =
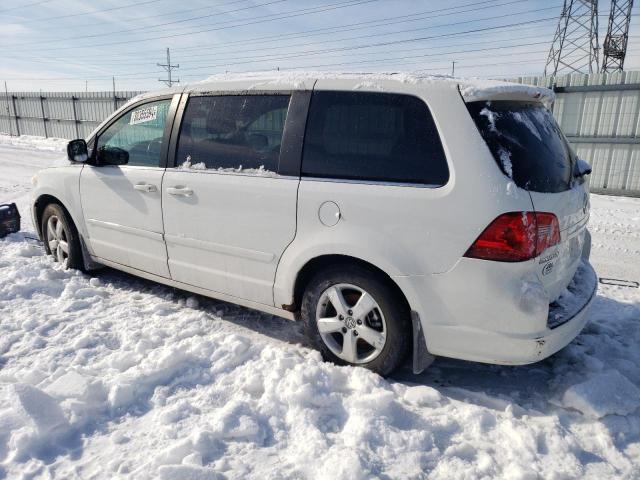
point(354, 317)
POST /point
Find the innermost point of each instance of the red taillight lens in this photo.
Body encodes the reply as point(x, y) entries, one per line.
point(516, 237)
point(548, 231)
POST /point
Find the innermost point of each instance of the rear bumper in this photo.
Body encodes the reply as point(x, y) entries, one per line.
point(532, 338)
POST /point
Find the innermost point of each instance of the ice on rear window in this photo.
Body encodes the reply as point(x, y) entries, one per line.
point(491, 117)
point(505, 158)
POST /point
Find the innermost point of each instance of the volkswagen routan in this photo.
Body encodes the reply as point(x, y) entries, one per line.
point(398, 217)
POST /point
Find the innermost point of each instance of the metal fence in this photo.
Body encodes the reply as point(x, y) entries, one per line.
point(58, 114)
point(600, 115)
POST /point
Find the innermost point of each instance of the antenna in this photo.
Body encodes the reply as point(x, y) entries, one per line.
point(168, 67)
point(615, 43)
point(575, 44)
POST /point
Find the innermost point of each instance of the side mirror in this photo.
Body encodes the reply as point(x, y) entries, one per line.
point(77, 151)
point(112, 156)
point(582, 168)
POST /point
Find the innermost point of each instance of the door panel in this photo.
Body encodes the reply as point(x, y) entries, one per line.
point(122, 203)
point(124, 221)
point(229, 234)
point(228, 213)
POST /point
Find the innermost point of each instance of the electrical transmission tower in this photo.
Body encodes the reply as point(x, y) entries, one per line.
point(615, 43)
point(575, 44)
point(169, 68)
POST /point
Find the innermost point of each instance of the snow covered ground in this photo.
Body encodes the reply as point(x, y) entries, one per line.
point(113, 377)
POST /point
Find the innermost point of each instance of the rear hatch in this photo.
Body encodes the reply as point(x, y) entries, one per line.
point(530, 148)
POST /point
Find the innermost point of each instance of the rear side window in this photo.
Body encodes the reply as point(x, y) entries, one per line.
point(527, 144)
point(232, 132)
point(373, 136)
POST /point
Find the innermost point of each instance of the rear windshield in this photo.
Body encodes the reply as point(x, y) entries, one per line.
point(527, 144)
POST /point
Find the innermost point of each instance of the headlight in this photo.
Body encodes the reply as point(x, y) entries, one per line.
point(34, 180)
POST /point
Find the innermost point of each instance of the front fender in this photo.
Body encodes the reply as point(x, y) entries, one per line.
point(63, 184)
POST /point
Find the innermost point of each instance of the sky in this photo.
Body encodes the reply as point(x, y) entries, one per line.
point(63, 45)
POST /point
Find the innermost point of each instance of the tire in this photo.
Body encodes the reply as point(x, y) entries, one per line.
point(384, 339)
point(59, 231)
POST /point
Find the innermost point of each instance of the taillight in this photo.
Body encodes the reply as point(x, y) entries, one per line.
point(516, 237)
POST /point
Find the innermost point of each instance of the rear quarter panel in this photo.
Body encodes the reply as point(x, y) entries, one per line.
point(405, 230)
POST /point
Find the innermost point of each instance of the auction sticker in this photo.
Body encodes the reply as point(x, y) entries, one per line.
point(144, 115)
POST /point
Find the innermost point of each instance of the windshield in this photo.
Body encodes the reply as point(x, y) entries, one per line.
point(527, 144)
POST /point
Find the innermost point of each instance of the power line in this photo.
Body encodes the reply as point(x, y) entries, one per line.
point(92, 12)
point(358, 47)
point(33, 4)
point(343, 28)
point(444, 68)
point(420, 48)
point(405, 30)
point(345, 63)
point(448, 24)
point(376, 35)
point(138, 30)
point(408, 57)
point(295, 13)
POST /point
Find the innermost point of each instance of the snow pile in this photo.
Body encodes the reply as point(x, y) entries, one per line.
point(110, 376)
point(33, 426)
point(38, 143)
point(606, 393)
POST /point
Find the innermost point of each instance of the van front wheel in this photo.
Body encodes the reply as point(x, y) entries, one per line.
point(354, 318)
point(60, 237)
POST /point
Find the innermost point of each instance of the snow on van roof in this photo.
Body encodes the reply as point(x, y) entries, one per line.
point(472, 89)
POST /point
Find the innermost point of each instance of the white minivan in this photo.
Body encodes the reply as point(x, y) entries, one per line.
point(394, 215)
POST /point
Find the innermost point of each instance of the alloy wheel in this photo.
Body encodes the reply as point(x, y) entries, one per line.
point(351, 323)
point(58, 240)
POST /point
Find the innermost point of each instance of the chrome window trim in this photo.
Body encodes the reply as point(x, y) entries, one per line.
point(373, 182)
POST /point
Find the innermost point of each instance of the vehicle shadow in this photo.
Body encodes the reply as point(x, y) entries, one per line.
point(272, 326)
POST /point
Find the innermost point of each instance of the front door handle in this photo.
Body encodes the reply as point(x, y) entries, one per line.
point(180, 191)
point(145, 187)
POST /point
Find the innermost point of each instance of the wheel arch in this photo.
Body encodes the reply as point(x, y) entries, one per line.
point(40, 204)
point(316, 264)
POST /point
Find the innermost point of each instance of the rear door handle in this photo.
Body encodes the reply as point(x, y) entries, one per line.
point(145, 187)
point(180, 191)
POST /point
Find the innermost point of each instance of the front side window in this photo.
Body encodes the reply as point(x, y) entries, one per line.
point(239, 133)
point(373, 136)
point(136, 137)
